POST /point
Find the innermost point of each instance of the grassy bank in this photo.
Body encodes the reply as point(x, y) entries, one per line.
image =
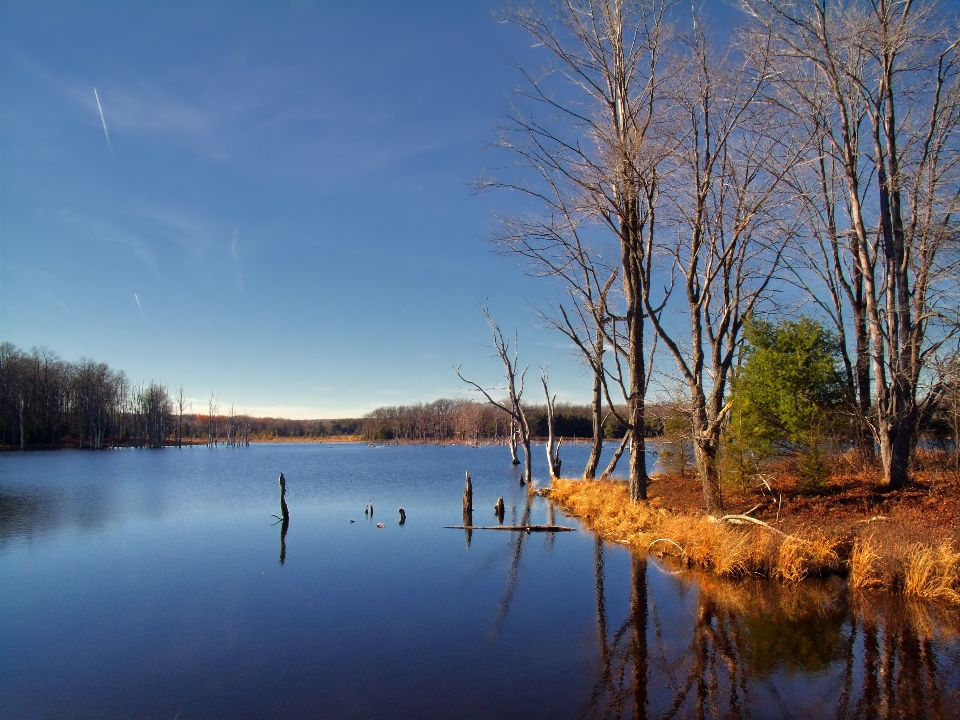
point(905, 543)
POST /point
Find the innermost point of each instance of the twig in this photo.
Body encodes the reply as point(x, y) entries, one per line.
point(663, 539)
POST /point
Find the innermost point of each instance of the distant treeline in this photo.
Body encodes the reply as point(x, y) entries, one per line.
point(197, 427)
point(470, 421)
point(48, 402)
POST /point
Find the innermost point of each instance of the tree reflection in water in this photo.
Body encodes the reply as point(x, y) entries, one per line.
point(517, 538)
point(758, 649)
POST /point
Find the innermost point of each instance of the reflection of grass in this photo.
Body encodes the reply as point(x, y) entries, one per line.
point(928, 572)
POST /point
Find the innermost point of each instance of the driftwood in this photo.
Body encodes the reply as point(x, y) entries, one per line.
point(744, 519)
point(528, 528)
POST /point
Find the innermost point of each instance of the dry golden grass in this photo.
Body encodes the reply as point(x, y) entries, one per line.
point(864, 566)
point(799, 557)
point(922, 571)
point(933, 573)
point(701, 540)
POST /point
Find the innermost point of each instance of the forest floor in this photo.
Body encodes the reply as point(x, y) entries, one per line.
point(903, 540)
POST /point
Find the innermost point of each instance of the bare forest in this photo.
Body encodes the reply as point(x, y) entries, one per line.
point(797, 175)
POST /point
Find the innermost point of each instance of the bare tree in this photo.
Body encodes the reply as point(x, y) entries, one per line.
point(593, 153)
point(555, 248)
point(213, 410)
point(181, 406)
point(513, 406)
point(728, 212)
point(882, 80)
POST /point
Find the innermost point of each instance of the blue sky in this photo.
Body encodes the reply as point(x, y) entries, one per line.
point(282, 215)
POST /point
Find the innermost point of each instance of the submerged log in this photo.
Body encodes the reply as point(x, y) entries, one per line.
point(528, 528)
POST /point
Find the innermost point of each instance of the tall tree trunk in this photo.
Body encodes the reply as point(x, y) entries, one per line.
point(706, 446)
point(636, 405)
point(895, 446)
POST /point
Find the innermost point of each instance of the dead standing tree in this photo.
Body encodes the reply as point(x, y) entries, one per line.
point(608, 54)
point(555, 249)
point(182, 404)
point(553, 448)
point(884, 80)
point(513, 406)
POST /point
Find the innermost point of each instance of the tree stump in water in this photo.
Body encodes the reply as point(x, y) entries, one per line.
point(500, 510)
point(284, 512)
point(468, 502)
point(284, 526)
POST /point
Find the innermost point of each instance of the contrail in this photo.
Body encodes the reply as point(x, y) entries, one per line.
point(138, 304)
point(104, 127)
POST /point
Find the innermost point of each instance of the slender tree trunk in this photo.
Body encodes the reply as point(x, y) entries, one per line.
point(527, 456)
point(596, 409)
point(553, 455)
point(616, 456)
point(512, 443)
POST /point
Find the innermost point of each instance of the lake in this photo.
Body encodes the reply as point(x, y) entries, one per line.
point(156, 584)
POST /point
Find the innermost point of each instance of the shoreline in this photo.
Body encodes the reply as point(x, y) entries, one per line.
point(905, 544)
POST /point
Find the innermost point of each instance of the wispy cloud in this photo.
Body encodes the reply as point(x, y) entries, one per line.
point(103, 120)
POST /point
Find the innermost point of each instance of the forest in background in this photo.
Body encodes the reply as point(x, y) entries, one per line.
point(49, 402)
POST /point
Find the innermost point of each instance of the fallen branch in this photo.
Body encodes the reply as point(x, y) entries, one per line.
point(528, 528)
point(741, 519)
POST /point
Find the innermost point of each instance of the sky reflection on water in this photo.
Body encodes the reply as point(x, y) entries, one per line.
point(143, 584)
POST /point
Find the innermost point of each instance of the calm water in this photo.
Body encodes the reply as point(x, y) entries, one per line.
point(149, 584)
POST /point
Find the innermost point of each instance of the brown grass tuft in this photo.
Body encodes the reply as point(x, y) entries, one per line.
point(865, 566)
point(799, 557)
point(933, 573)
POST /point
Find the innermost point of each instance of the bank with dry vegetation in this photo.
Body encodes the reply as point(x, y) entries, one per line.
point(906, 543)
